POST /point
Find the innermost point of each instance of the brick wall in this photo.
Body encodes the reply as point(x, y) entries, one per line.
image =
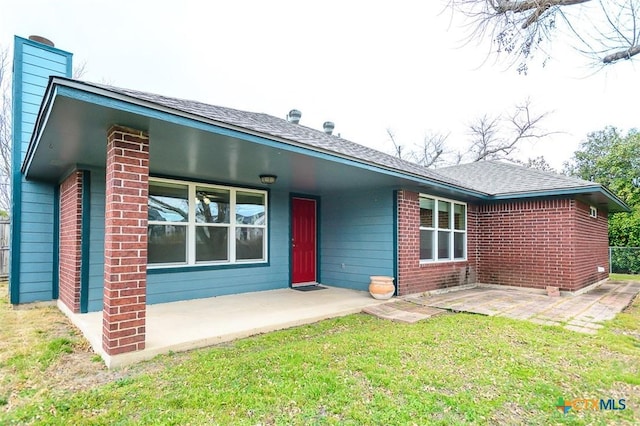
point(125, 267)
point(532, 244)
point(591, 243)
point(539, 243)
point(414, 277)
point(526, 243)
point(70, 241)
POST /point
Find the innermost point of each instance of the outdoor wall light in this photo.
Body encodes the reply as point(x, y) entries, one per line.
point(268, 179)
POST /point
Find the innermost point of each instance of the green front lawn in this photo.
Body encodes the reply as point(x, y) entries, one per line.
point(452, 369)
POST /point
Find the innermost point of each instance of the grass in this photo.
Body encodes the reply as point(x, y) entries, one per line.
point(452, 369)
point(624, 277)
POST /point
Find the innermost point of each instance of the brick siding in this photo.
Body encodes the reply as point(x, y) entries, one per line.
point(535, 243)
point(526, 243)
point(414, 277)
point(70, 253)
point(591, 244)
point(541, 243)
point(125, 252)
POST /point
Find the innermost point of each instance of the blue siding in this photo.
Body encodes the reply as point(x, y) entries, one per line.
point(184, 285)
point(32, 247)
point(356, 238)
point(96, 243)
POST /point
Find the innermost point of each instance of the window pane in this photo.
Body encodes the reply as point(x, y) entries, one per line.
point(426, 245)
point(168, 202)
point(444, 214)
point(459, 217)
point(167, 244)
point(426, 212)
point(250, 208)
point(212, 205)
point(249, 243)
point(458, 245)
point(212, 243)
point(443, 245)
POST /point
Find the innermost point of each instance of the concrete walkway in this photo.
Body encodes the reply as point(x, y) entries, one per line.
point(584, 313)
point(191, 324)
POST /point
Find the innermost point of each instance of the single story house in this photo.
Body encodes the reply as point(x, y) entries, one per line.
point(123, 198)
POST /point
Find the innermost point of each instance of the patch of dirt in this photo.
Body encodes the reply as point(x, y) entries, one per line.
point(83, 369)
point(24, 335)
point(510, 414)
point(403, 311)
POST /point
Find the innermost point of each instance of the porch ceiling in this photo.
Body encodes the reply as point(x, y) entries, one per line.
point(73, 134)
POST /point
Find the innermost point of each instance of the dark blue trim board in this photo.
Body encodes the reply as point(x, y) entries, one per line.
point(560, 193)
point(85, 239)
point(16, 176)
point(55, 273)
point(210, 267)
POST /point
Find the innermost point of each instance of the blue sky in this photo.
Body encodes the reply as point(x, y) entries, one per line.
point(365, 66)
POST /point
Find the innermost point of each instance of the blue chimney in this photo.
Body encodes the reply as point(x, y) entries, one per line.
point(33, 273)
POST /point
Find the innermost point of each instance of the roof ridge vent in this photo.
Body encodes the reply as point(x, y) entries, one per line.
point(294, 116)
point(328, 127)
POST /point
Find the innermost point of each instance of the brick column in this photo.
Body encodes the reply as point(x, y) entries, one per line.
point(70, 241)
point(408, 241)
point(125, 243)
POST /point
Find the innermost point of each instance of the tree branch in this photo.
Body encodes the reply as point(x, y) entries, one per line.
point(621, 54)
point(491, 139)
point(521, 28)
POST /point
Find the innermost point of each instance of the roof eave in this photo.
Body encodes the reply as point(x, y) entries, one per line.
point(615, 204)
point(56, 82)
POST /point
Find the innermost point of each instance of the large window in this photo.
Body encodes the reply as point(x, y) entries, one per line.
point(192, 224)
point(443, 229)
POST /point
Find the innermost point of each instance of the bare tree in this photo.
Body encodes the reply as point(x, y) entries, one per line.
point(80, 70)
point(492, 137)
point(429, 153)
point(607, 31)
point(497, 137)
point(397, 148)
point(5, 131)
point(538, 163)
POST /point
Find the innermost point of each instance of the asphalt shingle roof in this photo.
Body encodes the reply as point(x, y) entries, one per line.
point(500, 178)
point(491, 178)
point(281, 128)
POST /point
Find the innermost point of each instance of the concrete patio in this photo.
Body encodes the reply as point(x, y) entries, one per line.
point(181, 326)
point(583, 313)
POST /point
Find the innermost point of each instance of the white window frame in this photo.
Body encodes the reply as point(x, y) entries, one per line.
point(593, 212)
point(191, 225)
point(450, 230)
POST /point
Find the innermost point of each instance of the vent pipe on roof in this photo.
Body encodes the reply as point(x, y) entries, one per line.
point(42, 40)
point(328, 127)
point(294, 116)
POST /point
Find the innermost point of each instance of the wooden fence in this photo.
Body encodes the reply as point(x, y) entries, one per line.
point(4, 248)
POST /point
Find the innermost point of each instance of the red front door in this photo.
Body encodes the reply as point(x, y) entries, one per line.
point(303, 241)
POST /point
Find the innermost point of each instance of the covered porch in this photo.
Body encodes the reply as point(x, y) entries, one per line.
point(174, 209)
point(190, 324)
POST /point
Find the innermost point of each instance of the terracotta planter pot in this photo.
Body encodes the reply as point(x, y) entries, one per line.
point(381, 287)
